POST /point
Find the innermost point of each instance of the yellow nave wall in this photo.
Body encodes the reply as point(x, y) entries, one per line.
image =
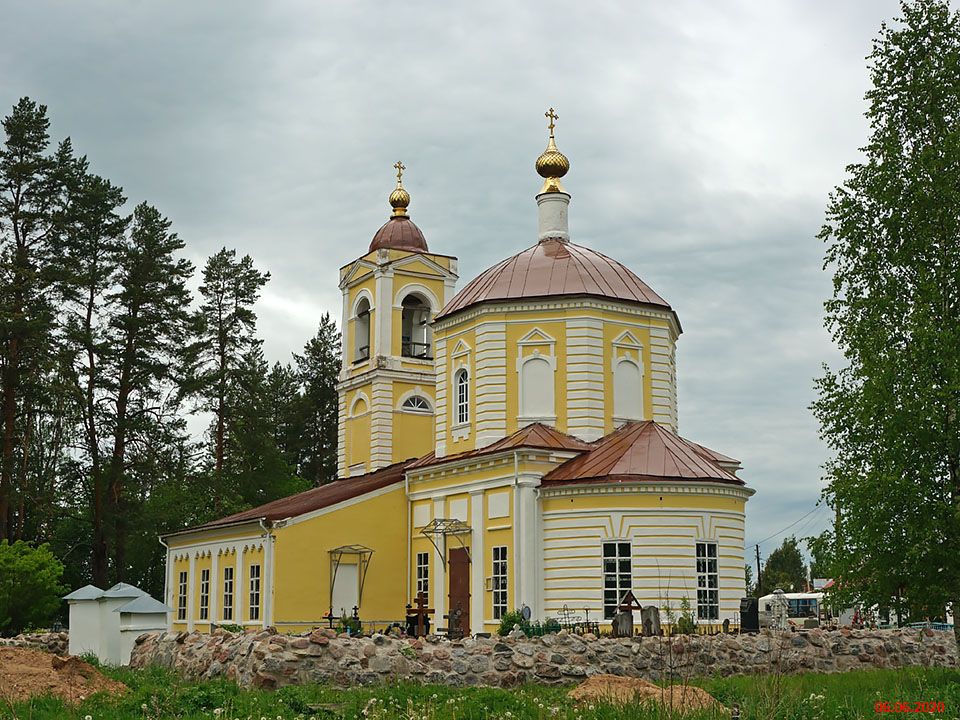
point(302, 566)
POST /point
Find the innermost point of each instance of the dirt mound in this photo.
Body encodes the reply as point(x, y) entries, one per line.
point(618, 690)
point(28, 673)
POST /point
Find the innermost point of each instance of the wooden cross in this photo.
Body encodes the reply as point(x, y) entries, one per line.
point(421, 611)
point(329, 617)
point(400, 168)
point(629, 602)
point(552, 116)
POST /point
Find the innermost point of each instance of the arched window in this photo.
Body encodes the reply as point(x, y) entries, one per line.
point(361, 331)
point(415, 328)
point(627, 391)
point(416, 403)
point(462, 385)
point(536, 390)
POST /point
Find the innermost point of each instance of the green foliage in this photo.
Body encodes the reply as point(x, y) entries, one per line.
point(30, 588)
point(686, 625)
point(534, 628)
point(892, 415)
point(157, 693)
point(784, 569)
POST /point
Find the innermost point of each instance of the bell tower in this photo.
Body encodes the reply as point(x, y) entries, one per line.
point(388, 390)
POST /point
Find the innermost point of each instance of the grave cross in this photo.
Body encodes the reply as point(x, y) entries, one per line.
point(330, 617)
point(629, 602)
point(421, 611)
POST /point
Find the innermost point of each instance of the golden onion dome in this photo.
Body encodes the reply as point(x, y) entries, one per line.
point(399, 201)
point(552, 164)
point(399, 198)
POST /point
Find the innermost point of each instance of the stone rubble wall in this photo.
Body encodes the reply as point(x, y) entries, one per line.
point(268, 660)
point(52, 642)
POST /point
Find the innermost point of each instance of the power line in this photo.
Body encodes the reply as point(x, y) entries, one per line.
point(780, 532)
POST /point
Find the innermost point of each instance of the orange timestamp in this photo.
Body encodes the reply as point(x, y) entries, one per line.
point(920, 706)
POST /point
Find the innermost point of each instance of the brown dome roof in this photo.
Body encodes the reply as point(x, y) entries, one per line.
point(554, 267)
point(399, 233)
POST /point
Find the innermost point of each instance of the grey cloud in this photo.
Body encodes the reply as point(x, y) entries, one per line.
point(703, 139)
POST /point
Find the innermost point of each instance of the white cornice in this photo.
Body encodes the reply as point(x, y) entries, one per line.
point(559, 303)
point(691, 487)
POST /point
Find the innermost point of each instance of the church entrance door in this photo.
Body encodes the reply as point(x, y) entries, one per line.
point(458, 569)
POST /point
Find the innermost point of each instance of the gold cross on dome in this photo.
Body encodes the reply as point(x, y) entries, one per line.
point(400, 168)
point(553, 118)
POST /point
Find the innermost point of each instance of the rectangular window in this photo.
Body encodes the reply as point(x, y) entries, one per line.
point(182, 597)
point(423, 573)
point(617, 575)
point(708, 582)
point(228, 593)
point(205, 594)
point(254, 592)
point(499, 582)
point(463, 397)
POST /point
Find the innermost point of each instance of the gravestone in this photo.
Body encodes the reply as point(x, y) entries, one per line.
point(622, 625)
point(650, 618)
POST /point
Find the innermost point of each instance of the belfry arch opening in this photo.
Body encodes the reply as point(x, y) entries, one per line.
point(361, 331)
point(416, 335)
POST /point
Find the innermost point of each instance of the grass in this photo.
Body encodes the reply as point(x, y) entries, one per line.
point(158, 695)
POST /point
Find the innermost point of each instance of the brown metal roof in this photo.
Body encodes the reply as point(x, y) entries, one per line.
point(637, 452)
point(320, 497)
point(535, 435)
point(554, 267)
point(399, 233)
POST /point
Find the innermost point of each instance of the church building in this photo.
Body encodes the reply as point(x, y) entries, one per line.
point(512, 444)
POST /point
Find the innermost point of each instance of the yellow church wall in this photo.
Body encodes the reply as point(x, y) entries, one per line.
point(412, 431)
point(663, 529)
point(302, 569)
point(357, 426)
point(349, 335)
point(521, 325)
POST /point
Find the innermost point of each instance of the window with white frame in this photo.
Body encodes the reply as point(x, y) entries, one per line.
point(416, 403)
point(708, 582)
point(499, 581)
point(423, 573)
point(462, 385)
point(254, 592)
point(182, 596)
point(228, 593)
point(205, 594)
point(617, 575)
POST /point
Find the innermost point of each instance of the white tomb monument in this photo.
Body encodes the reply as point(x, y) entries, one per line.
point(106, 623)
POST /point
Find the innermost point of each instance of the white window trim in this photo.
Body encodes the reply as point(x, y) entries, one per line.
point(603, 573)
point(697, 574)
point(523, 360)
point(416, 392)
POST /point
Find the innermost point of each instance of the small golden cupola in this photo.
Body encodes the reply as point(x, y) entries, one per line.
point(552, 200)
point(552, 164)
point(399, 232)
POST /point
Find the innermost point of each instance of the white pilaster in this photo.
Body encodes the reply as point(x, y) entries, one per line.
point(525, 542)
point(478, 562)
point(266, 590)
point(213, 601)
point(438, 586)
point(239, 607)
point(384, 329)
point(191, 579)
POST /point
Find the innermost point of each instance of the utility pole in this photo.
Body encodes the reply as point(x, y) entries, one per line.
point(759, 572)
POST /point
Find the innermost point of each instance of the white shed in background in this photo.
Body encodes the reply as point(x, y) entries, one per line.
point(137, 617)
point(84, 620)
point(106, 623)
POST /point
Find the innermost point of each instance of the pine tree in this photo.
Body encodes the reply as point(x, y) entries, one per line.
point(317, 370)
point(227, 334)
point(891, 414)
point(784, 569)
point(30, 196)
point(148, 319)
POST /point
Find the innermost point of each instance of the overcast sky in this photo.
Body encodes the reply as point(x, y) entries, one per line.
point(703, 139)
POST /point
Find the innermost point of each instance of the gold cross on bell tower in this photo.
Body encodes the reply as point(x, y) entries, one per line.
point(400, 168)
point(553, 117)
